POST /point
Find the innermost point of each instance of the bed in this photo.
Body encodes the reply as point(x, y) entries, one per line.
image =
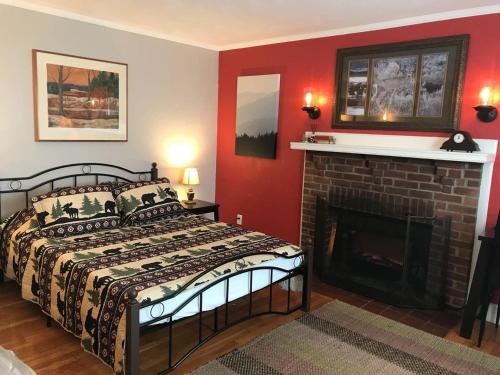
point(111, 286)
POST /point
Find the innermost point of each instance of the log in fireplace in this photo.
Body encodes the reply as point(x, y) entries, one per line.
point(389, 249)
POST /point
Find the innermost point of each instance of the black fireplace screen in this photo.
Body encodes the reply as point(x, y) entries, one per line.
point(396, 252)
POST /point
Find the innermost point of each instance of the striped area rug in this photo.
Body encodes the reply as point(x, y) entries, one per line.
point(342, 339)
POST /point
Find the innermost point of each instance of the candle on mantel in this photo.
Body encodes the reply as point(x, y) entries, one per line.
point(384, 116)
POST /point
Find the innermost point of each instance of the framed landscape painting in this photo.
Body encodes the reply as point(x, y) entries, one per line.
point(413, 85)
point(79, 99)
point(257, 115)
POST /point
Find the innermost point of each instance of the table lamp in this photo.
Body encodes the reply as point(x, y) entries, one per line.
point(190, 178)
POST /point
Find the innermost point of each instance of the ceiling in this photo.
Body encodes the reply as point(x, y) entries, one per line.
point(227, 24)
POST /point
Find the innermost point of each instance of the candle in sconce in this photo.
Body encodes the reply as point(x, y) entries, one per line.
point(384, 116)
point(485, 95)
point(308, 99)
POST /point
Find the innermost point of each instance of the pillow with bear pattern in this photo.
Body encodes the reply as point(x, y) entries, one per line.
point(146, 200)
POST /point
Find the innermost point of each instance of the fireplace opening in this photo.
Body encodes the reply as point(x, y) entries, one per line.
point(392, 251)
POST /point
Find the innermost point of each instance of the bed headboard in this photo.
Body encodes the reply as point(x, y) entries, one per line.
point(21, 189)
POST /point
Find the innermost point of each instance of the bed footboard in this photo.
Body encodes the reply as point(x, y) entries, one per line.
point(135, 328)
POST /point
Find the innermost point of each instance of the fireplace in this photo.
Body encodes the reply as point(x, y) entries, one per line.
point(434, 189)
point(389, 249)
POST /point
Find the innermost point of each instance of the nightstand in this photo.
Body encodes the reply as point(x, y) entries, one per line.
point(202, 207)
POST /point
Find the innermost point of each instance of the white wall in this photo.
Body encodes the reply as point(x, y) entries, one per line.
point(172, 97)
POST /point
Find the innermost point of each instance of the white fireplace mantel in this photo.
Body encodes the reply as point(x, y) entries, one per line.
point(399, 146)
point(418, 148)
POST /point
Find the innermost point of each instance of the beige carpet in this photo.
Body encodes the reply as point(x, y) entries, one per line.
point(342, 339)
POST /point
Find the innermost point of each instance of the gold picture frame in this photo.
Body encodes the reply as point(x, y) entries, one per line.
point(79, 99)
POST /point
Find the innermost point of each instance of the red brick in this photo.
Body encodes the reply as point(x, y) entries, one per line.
point(448, 198)
point(473, 183)
point(335, 175)
point(461, 208)
point(468, 201)
point(454, 173)
point(395, 174)
point(427, 169)
point(469, 218)
point(368, 179)
point(457, 276)
point(356, 162)
point(446, 189)
point(397, 191)
point(430, 187)
point(441, 172)
point(421, 194)
point(472, 174)
point(406, 167)
point(458, 260)
point(475, 166)
point(419, 177)
point(466, 191)
point(387, 181)
point(407, 184)
point(448, 181)
point(450, 164)
point(363, 170)
point(359, 185)
point(321, 180)
point(343, 168)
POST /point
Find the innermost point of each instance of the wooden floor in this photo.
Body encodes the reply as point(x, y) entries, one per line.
point(55, 351)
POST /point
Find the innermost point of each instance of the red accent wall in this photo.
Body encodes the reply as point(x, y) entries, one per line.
point(268, 192)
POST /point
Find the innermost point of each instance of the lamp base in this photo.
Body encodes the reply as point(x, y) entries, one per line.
point(190, 196)
point(189, 202)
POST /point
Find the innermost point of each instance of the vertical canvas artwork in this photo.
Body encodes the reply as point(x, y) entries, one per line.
point(257, 115)
point(79, 99)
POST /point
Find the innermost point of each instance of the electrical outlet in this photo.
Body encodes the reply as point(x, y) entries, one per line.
point(239, 219)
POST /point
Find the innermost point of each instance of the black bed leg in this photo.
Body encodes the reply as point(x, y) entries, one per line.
point(307, 281)
point(49, 322)
point(132, 341)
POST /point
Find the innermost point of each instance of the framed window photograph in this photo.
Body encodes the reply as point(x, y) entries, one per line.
point(414, 86)
point(79, 99)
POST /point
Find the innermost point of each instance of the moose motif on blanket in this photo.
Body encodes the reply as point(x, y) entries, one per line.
point(85, 286)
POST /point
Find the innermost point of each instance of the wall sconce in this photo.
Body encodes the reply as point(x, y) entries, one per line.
point(485, 111)
point(313, 111)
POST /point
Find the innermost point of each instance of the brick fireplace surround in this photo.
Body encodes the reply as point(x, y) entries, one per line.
point(453, 187)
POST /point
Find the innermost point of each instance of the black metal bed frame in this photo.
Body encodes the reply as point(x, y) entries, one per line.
point(134, 328)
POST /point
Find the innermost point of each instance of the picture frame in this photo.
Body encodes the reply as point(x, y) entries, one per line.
point(78, 98)
point(411, 86)
point(257, 111)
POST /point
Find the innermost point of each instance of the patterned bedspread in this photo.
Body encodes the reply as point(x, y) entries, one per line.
point(84, 282)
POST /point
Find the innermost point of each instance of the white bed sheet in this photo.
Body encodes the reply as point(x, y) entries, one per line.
point(215, 296)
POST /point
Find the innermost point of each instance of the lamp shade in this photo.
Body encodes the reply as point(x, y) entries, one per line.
point(191, 177)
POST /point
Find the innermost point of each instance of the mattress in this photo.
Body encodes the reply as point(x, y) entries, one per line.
point(85, 282)
point(215, 295)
